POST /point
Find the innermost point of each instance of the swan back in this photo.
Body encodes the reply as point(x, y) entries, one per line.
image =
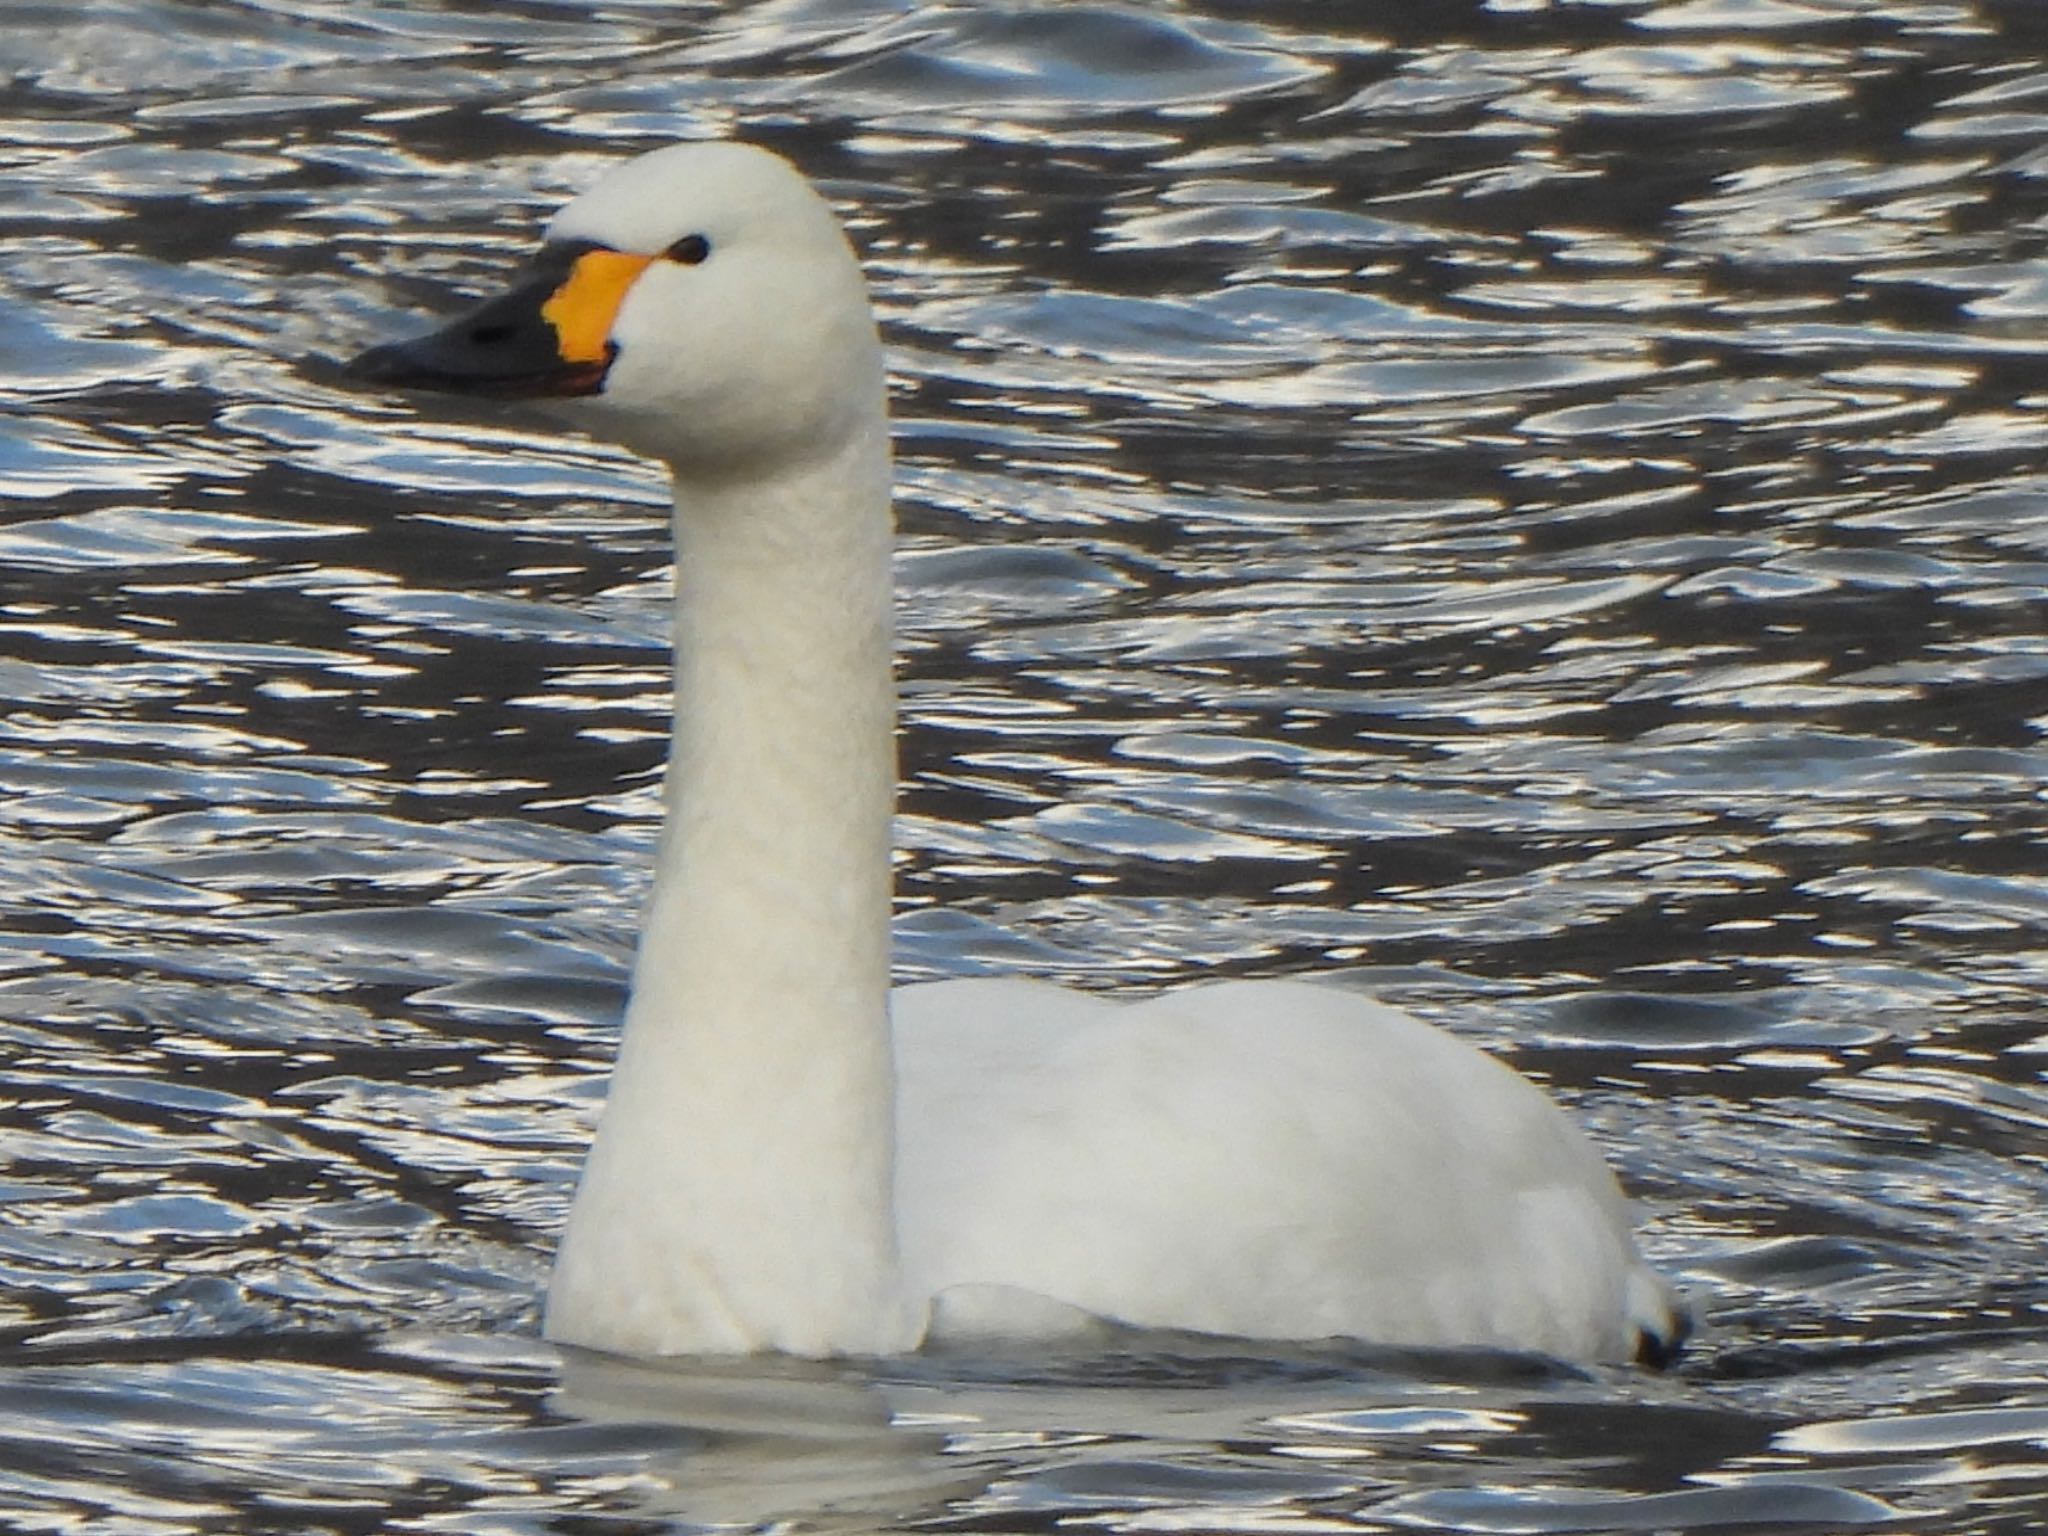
point(1263, 1159)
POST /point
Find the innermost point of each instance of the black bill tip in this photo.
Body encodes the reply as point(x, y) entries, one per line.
point(504, 349)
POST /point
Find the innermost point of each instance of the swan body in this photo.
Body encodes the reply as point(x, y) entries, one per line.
point(793, 1157)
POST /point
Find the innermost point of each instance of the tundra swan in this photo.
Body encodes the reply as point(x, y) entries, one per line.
point(795, 1158)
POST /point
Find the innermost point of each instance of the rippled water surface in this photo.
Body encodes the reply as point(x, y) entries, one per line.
point(1539, 505)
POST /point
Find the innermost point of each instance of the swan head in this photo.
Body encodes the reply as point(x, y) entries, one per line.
point(700, 304)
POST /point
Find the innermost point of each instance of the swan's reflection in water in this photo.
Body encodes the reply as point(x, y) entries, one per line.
point(966, 1436)
point(1198, 1435)
point(758, 1441)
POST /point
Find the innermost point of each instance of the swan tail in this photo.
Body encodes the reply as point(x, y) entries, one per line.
point(1660, 1318)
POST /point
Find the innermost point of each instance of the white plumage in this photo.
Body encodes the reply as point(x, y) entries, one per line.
point(781, 1167)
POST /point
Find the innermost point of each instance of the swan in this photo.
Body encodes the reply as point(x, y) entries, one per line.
point(792, 1157)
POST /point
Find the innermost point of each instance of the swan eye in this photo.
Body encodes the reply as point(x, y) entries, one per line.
point(690, 250)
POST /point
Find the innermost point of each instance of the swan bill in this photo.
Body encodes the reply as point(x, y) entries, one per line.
point(547, 336)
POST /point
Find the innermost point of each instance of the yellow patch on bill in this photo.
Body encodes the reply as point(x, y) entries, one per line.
point(582, 309)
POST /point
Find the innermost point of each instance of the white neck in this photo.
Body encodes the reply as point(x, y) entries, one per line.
point(739, 1193)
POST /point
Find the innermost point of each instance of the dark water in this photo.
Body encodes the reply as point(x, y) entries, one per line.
point(1540, 504)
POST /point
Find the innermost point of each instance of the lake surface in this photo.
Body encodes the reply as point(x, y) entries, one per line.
point(1537, 507)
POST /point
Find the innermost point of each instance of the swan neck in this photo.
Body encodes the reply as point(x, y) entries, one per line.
point(782, 768)
point(754, 1088)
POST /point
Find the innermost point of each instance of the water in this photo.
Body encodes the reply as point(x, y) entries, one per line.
point(1536, 505)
